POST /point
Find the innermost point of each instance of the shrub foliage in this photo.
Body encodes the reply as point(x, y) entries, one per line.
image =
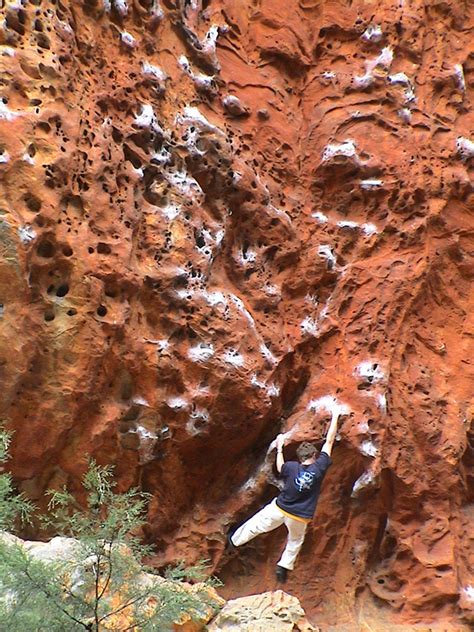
point(98, 581)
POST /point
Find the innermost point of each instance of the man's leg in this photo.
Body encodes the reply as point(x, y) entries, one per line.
point(267, 519)
point(296, 533)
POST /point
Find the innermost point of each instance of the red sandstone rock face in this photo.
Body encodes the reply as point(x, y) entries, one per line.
point(215, 213)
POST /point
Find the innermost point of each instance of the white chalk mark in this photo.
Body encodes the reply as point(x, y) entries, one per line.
point(154, 72)
point(368, 448)
point(345, 149)
point(309, 326)
point(327, 253)
point(371, 183)
point(328, 403)
point(372, 33)
point(177, 403)
point(320, 217)
point(465, 147)
point(370, 370)
point(234, 358)
point(459, 77)
point(201, 352)
point(366, 479)
point(26, 234)
point(128, 39)
point(468, 592)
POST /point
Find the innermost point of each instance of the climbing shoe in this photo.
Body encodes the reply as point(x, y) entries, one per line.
point(281, 574)
point(230, 545)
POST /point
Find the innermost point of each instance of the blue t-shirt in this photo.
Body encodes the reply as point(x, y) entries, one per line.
point(302, 485)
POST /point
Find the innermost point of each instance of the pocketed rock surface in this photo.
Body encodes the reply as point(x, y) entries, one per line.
point(219, 220)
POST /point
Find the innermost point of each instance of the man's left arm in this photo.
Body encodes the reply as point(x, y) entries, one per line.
point(280, 459)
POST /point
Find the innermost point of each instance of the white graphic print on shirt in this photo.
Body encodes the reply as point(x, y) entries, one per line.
point(304, 480)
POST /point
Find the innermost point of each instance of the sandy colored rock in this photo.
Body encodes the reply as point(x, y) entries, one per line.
point(183, 276)
point(268, 612)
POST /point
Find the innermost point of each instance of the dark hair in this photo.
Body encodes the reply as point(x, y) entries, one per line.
point(305, 451)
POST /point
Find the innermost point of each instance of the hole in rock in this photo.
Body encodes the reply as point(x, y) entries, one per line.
point(200, 241)
point(46, 249)
point(103, 248)
point(45, 127)
point(200, 423)
point(444, 568)
point(49, 316)
point(43, 42)
point(381, 581)
point(132, 413)
point(101, 310)
point(71, 312)
point(33, 203)
point(62, 290)
point(14, 22)
point(67, 251)
point(117, 136)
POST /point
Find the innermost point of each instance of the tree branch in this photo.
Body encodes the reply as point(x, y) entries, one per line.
point(109, 574)
point(96, 587)
point(125, 605)
point(51, 597)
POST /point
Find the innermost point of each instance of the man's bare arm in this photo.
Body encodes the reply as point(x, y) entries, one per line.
point(280, 459)
point(331, 435)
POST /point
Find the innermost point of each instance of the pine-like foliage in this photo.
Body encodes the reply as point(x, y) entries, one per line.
point(12, 506)
point(100, 582)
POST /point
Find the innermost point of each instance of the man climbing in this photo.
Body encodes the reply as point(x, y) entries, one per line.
point(295, 505)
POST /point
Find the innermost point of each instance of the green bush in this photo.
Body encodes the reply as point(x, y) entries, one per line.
point(100, 582)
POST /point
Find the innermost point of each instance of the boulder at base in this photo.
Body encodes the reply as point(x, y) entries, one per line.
point(267, 612)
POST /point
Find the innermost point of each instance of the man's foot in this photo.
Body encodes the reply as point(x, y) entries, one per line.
point(281, 574)
point(230, 545)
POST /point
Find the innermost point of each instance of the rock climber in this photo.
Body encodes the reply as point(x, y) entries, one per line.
point(295, 505)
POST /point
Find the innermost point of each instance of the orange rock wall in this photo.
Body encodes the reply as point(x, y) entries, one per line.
point(218, 213)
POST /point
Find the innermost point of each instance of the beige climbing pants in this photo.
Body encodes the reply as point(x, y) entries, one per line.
point(267, 519)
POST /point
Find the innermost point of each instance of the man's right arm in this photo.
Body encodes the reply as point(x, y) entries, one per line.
point(331, 435)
